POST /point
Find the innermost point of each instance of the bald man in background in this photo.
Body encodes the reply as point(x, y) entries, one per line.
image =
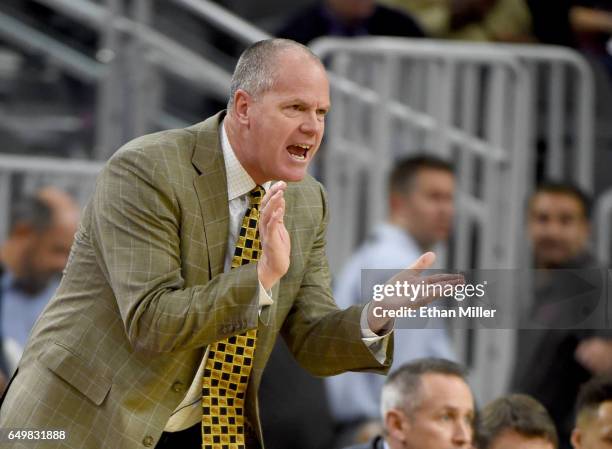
point(593, 428)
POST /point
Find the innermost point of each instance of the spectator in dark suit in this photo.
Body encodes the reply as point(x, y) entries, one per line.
point(552, 362)
point(426, 404)
point(516, 421)
point(347, 18)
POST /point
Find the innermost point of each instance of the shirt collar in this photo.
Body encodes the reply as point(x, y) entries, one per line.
point(239, 182)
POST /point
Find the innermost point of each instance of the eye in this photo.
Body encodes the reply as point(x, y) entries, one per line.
point(297, 107)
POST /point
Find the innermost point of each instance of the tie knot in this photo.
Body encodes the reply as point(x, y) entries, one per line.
point(256, 195)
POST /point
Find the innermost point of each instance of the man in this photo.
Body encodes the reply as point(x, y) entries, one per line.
point(516, 421)
point(32, 259)
point(426, 404)
point(348, 18)
point(421, 210)
point(594, 415)
point(552, 363)
point(172, 298)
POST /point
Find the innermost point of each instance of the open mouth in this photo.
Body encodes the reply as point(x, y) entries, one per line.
point(299, 151)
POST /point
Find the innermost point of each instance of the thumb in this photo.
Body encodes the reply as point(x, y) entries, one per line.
point(425, 261)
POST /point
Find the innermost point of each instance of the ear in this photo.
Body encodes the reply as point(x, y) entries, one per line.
point(396, 201)
point(396, 425)
point(241, 106)
point(576, 438)
point(22, 230)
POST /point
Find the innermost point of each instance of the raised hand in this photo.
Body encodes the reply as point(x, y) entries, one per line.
point(412, 275)
point(275, 241)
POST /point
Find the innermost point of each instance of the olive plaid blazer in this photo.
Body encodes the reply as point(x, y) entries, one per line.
point(144, 293)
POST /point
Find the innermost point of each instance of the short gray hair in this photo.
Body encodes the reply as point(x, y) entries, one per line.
point(256, 69)
point(402, 387)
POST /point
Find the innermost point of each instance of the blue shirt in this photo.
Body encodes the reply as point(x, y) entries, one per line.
point(357, 395)
point(21, 310)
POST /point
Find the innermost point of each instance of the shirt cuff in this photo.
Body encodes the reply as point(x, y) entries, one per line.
point(377, 344)
point(265, 297)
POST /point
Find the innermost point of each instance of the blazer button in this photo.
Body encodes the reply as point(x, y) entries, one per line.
point(178, 387)
point(147, 441)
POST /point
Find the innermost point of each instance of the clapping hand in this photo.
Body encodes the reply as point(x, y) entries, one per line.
point(273, 235)
point(412, 275)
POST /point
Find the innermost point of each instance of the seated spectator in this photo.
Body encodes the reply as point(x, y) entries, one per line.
point(474, 20)
point(593, 428)
point(348, 18)
point(516, 421)
point(426, 404)
point(421, 210)
point(552, 363)
point(31, 262)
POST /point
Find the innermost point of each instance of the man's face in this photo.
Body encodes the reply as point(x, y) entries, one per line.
point(444, 419)
point(429, 206)
point(595, 432)
point(511, 439)
point(286, 123)
point(45, 256)
point(352, 10)
point(558, 228)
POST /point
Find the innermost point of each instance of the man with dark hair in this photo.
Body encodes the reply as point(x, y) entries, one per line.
point(593, 428)
point(551, 363)
point(31, 261)
point(559, 227)
point(516, 421)
point(426, 404)
point(421, 210)
point(348, 18)
point(188, 263)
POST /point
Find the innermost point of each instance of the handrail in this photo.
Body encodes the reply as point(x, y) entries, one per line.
point(49, 165)
point(603, 221)
point(225, 20)
point(193, 66)
point(72, 60)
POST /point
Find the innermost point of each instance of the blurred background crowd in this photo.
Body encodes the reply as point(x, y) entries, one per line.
point(481, 131)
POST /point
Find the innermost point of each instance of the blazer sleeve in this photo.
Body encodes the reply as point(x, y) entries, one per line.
point(324, 339)
point(135, 227)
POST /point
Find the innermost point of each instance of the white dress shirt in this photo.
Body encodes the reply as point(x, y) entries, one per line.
point(239, 184)
point(355, 396)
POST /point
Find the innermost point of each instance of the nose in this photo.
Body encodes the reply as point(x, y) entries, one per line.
point(463, 435)
point(310, 124)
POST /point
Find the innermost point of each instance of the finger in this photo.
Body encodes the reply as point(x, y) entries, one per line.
point(425, 261)
point(455, 278)
point(276, 219)
point(276, 187)
point(273, 204)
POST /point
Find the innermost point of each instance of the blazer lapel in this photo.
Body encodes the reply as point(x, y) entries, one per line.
point(211, 189)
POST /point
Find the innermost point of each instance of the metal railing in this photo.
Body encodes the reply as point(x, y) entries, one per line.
point(130, 59)
point(74, 176)
point(603, 228)
point(476, 105)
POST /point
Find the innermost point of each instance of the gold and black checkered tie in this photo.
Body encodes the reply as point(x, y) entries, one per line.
point(229, 362)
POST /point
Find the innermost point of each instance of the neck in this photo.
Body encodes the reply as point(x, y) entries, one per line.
point(236, 137)
point(405, 226)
